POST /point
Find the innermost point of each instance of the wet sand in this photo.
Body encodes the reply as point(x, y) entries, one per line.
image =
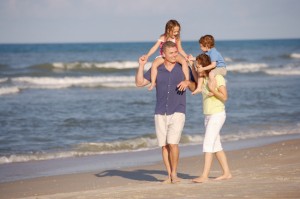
point(270, 171)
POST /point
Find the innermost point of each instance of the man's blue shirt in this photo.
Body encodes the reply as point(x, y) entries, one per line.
point(168, 99)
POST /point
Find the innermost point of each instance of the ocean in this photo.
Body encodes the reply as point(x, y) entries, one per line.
point(74, 100)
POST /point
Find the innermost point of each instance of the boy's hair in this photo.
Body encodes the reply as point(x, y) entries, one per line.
point(207, 41)
point(168, 44)
point(203, 59)
point(169, 27)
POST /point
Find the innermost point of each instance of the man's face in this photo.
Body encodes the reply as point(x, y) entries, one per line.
point(170, 54)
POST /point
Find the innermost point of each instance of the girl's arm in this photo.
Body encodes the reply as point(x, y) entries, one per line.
point(154, 48)
point(184, 65)
point(180, 49)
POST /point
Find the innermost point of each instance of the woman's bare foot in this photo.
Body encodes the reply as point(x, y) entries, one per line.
point(200, 180)
point(224, 177)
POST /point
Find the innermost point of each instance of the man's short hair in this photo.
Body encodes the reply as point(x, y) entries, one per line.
point(168, 44)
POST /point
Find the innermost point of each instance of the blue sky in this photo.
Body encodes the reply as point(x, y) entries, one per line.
point(48, 21)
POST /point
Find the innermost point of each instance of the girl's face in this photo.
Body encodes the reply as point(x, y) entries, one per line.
point(174, 32)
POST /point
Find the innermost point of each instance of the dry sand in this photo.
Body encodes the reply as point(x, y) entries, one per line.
point(271, 171)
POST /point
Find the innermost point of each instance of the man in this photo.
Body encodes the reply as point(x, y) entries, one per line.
point(170, 105)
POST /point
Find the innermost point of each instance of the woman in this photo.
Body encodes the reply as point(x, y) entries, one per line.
point(214, 98)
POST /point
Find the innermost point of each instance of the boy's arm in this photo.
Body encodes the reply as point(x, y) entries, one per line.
point(209, 67)
point(140, 81)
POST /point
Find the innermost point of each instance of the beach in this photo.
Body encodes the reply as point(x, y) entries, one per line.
point(268, 171)
point(74, 125)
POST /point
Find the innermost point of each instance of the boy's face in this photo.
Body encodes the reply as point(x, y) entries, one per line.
point(203, 48)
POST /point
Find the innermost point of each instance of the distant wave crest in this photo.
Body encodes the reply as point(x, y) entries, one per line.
point(145, 142)
point(115, 65)
point(9, 90)
point(65, 82)
point(246, 67)
point(288, 70)
point(295, 55)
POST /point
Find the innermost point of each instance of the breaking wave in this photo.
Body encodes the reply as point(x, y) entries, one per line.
point(146, 142)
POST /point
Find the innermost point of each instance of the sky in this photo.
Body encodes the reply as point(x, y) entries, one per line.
point(68, 21)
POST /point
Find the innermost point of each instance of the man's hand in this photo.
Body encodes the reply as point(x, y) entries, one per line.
point(143, 60)
point(183, 85)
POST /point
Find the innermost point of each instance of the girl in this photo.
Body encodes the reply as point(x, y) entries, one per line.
point(172, 33)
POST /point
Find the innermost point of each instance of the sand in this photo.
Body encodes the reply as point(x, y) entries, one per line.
point(270, 171)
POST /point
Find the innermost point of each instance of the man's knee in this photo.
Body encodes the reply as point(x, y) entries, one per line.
point(173, 146)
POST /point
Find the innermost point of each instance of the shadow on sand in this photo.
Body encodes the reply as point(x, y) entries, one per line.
point(140, 175)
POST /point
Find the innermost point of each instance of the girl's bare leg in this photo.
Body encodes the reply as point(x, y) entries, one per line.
point(199, 85)
point(157, 62)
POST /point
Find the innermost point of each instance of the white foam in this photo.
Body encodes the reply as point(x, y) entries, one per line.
point(283, 72)
point(288, 70)
point(247, 67)
point(83, 81)
point(228, 59)
point(9, 90)
point(295, 55)
point(137, 144)
point(3, 79)
point(106, 65)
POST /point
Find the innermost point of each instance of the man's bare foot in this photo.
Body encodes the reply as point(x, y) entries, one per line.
point(224, 177)
point(200, 180)
point(198, 90)
point(151, 86)
point(175, 179)
point(167, 181)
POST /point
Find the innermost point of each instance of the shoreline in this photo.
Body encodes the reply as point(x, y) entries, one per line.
point(258, 172)
point(15, 171)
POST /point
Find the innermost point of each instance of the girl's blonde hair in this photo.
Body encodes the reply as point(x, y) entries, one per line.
point(170, 25)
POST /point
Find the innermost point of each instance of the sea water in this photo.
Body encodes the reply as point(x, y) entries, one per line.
point(69, 100)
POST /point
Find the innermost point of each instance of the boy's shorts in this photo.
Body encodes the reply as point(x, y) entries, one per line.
point(220, 71)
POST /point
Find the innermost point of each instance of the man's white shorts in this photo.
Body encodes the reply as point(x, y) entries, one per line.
point(169, 128)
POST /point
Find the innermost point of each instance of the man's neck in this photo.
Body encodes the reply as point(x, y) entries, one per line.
point(169, 65)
